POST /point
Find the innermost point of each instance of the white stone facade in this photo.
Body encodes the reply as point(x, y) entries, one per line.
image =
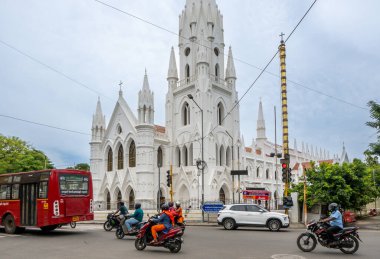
point(124, 153)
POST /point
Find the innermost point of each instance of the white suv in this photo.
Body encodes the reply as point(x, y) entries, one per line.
point(234, 215)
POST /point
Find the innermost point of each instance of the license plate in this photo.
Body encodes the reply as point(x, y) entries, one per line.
point(75, 218)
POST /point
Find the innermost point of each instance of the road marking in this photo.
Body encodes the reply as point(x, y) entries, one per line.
point(287, 256)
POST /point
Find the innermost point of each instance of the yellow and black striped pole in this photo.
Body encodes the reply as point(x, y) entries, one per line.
point(284, 100)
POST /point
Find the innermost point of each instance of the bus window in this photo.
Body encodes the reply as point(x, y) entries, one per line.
point(43, 190)
point(5, 192)
point(71, 184)
point(15, 191)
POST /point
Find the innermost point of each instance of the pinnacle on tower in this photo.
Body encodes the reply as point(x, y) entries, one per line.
point(98, 118)
point(172, 71)
point(146, 83)
point(230, 70)
point(261, 123)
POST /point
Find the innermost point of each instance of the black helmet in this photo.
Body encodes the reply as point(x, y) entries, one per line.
point(164, 207)
point(137, 206)
point(333, 206)
point(121, 203)
point(171, 204)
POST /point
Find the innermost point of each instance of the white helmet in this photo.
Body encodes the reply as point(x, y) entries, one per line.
point(177, 204)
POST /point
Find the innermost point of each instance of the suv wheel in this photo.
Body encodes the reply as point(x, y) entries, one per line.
point(274, 225)
point(229, 224)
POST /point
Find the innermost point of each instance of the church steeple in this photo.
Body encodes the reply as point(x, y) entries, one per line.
point(261, 123)
point(230, 70)
point(172, 71)
point(98, 123)
point(146, 103)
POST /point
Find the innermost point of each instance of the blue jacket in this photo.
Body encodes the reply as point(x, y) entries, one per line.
point(164, 219)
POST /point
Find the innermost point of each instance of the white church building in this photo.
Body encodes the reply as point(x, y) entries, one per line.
point(126, 152)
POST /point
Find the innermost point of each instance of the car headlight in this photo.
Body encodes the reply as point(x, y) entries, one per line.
point(286, 218)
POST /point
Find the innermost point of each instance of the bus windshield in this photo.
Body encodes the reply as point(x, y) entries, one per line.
point(73, 184)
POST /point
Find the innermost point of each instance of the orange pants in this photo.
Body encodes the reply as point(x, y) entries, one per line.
point(157, 228)
point(180, 219)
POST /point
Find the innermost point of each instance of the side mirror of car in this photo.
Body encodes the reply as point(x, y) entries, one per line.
point(261, 211)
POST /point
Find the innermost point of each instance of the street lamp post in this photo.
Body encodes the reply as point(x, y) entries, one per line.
point(233, 176)
point(202, 164)
point(159, 187)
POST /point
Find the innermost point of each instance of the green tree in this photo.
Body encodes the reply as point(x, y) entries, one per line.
point(348, 185)
point(18, 156)
point(81, 166)
point(374, 148)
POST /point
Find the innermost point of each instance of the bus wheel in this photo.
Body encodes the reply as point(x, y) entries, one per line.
point(48, 228)
point(9, 224)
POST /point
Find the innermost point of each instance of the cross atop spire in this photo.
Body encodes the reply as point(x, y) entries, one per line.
point(282, 36)
point(120, 91)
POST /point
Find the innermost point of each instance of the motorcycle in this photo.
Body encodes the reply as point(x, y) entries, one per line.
point(112, 221)
point(346, 240)
point(373, 212)
point(169, 239)
point(121, 229)
point(181, 225)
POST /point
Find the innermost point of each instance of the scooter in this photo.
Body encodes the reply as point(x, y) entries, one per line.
point(121, 230)
point(171, 239)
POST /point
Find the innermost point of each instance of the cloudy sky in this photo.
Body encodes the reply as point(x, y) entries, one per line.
point(58, 56)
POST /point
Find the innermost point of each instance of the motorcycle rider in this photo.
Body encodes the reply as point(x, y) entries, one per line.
point(335, 220)
point(122, 210)
point(135, 218)
point(165, 221)
point(178, 211)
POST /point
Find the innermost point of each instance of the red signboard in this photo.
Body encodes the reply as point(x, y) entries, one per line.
point(256, 195)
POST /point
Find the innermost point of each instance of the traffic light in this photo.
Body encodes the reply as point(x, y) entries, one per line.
point(284, 172)
point(168, 178)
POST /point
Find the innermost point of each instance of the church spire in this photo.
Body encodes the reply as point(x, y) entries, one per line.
point(98, 123)
point(230, 71)
point(146, 103)
point(261, 123)
point(172, 71)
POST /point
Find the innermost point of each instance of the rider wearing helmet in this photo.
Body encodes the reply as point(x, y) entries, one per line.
point(178, 211)
point(335, 220)
point(171, 206)
point(165, 221)
point(135, 218)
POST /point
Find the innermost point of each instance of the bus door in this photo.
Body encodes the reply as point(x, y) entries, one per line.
point(28, 200)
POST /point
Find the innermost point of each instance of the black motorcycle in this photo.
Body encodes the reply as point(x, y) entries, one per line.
point(121, 230)
point(346, 240)
point(112, 221)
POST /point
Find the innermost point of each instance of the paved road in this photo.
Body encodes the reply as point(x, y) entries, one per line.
point(91, 241)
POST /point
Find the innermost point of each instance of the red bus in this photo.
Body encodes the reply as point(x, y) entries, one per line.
point(45, 199)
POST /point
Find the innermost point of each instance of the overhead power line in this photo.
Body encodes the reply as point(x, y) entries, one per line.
point(52, 68)
point(44, 125)
point(235, 58)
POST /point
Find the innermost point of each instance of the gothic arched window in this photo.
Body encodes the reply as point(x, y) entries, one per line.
point(132, 154)
point(159, 157)
point(185, 156)
point(186, 114)
point(258, 172)
point(109, 160)
point(217, 72)
point(267, 173)
point(120, 158)
point(178, 154)
point(187, 73)
point(220, 113)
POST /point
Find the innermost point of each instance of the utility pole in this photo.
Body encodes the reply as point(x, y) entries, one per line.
point(284, 100)
point(304, 197)
point(275, 154)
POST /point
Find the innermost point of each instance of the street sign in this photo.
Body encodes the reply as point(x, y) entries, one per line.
point(212, 207)
point(239, 172)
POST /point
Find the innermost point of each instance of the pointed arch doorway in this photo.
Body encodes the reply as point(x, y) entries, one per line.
point(222, 196)
point(131, 200)
point(108, 200)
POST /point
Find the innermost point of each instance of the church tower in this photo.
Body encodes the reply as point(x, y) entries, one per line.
point(97, 133)
point(145, 145)
point(204, 87)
